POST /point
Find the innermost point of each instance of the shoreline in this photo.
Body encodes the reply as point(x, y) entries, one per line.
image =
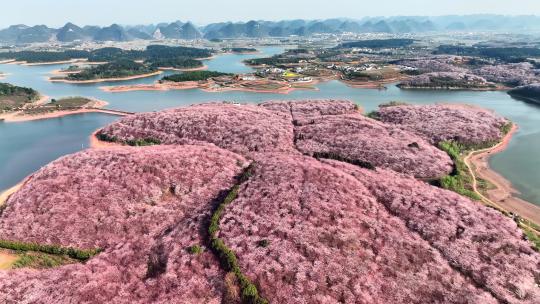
point(58, 114)
point(25, 63)
point(380, 84)
point(504, 194)
point(192, 85)
point(106, 79)
point(486, 89)
point(95, 143)
point(6, 194)
point(201, 68)
point(94, 106)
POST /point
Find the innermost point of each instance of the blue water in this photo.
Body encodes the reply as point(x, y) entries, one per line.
point(25, 147)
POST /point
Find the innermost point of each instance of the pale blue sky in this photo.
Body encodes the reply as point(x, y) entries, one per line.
point(104, 12)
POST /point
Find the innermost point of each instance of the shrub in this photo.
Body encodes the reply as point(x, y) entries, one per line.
point(392, 104)
point(460, 180)
point(194, 76)
point(227, 257)
point(195, 249)
point(507, 127)
point(77, 254)
point(263, 243)
point(143, 142)
point(105, 137)
point(356, 162)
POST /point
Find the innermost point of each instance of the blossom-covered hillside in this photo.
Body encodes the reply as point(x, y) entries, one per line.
point(315, 234)
point(241, 129)
point(512, 74)
point(357, 137)
point(225, 222)
point(434, 64)
point(311, 126)
point(129, 202)
point(436, 123)
point(305, 109)
point(477, 241)
point(447, 81)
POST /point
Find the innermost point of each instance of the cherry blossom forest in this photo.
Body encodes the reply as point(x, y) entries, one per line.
point(307, 202)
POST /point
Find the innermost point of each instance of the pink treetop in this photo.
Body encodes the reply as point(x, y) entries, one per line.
point(308, 233)
point(436, 123)
point(477, 241)
point(143, 206)
point(238, 128)
point(304, 230)
point(360, 138)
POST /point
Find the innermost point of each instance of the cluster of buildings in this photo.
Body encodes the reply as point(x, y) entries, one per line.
point(354, 68)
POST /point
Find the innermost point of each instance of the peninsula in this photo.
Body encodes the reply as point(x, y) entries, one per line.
point(118, 70)
point(529, 93)
point(211, 81)
point(42, 109)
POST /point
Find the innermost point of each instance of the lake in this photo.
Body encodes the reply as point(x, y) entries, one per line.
point(26, 146)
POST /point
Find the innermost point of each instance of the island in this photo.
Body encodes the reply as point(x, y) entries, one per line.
point(152, 54)
point(177, 64)
point(24, 104)
point(15, 98)
point(241, 50)
point(43, 57)
point(241, 203)
point(118, 70)
point(58, 108)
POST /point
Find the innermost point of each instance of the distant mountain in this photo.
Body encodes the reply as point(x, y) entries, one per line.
point(456, 26)
point(112, 33)
point(70, 32)
point(91, 30)
point(349, 26)
point(189, 32)
point(255, 29)
point(146, 29)
point(24, 34)
point(259, 29)
point(321, 28)
point(11, 34)
point(178, 30)
point(38, 33)
point(138, 34)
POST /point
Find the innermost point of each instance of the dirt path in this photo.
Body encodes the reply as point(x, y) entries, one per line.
point(503, 196)
point(7, 260)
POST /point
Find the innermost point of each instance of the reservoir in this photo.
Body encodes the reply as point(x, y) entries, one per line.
point(27, 146)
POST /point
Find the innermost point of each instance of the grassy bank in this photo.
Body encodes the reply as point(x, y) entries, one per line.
point(460, 180)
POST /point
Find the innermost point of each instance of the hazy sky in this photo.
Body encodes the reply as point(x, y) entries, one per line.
point(104, 12)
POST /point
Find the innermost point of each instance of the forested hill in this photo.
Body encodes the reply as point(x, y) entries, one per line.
point(153, 54)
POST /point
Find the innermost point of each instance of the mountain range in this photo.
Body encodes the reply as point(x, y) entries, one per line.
point(21, 34)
